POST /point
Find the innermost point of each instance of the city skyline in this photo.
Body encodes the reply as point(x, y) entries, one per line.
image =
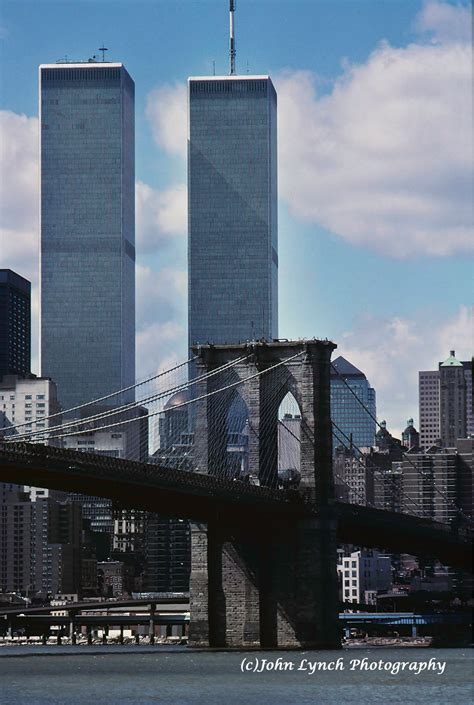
point(370, 284)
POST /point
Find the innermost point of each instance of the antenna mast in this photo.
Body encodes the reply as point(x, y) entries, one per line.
point(103, 49)
point(232, 38)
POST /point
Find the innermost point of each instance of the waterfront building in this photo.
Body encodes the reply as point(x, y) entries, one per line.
point(167, 554)
point(87, 332)
point(40, 544)
point(15, 324)
point(112, 578)
point(355, 424)
point(232, 209)
point(364, 571)
point(15, 539)
point(56, 547)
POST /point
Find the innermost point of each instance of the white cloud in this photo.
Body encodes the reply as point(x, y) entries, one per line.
point(166, 112)
point(161, 215)
point(160, 346)
point(19, 193)
point(161, 219)
point(391, 352)
point(161, 319)
point(446, 22)
point(161, 295)
point(384, 160)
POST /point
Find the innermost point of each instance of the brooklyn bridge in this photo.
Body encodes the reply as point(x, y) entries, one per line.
point(263, 569)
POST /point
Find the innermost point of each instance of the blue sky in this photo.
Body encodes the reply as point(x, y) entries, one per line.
point(375, 215)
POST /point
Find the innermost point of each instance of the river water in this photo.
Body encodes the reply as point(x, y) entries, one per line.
point(134, 675)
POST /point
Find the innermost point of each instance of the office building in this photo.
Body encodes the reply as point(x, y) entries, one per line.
point(167, 554)
point(40, 544)
point(428, 395)
point(353, 477)
point(353, 407)
point(455, 399)
point(445, 403)
point(26, 403)
point(15, 324)
point(87, 333)
point(56, 547)
point(437, 481)
point(15, 539)
point(232, 209)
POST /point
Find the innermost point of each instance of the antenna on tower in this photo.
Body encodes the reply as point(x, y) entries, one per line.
point(103, 50)
point(232, 38)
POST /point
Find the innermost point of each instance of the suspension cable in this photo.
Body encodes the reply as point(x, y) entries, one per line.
point(125, 407)
point(107, 396)
point(183, 404)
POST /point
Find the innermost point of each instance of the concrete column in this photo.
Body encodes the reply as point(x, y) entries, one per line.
point(151, 626)
point(414, 629)
point(72, 634)
point(199, 587)
point(224, 596)
point(121, 634)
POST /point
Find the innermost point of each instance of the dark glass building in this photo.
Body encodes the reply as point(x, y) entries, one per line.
point(87, 229)
point(232, 206)
point(15, 324)
point(350, 415)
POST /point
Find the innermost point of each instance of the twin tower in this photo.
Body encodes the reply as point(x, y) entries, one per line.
point(88, 220)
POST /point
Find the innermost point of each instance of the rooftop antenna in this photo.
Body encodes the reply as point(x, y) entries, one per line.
point(103, 50)
point(232, 38)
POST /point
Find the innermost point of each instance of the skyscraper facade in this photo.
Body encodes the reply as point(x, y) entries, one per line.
point(348, 414)
point(232, 199)
point(15, 324)
point(453, 400)
point(87, 229)
point(445, 403)
point(428, 399)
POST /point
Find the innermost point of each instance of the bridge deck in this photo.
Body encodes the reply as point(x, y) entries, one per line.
point(234, 504)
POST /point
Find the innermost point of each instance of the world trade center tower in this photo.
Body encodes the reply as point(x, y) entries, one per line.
point(232, 209)
point(87, 334)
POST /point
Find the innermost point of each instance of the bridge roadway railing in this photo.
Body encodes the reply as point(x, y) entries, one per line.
point(204, 497)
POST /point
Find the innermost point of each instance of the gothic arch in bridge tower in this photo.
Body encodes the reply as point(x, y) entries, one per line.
point(272, 584)
point(289, 442)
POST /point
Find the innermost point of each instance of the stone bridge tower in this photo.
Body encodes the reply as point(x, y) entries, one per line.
point(267, 584)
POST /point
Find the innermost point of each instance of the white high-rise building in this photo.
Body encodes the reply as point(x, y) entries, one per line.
point(26, 403)
point(362, 571)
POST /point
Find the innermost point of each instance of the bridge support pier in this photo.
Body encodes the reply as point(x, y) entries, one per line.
point(273, 590)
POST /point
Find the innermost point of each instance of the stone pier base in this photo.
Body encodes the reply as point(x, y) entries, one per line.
point(275, 590)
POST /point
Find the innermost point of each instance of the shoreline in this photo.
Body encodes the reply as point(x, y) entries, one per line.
point(179, 644)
